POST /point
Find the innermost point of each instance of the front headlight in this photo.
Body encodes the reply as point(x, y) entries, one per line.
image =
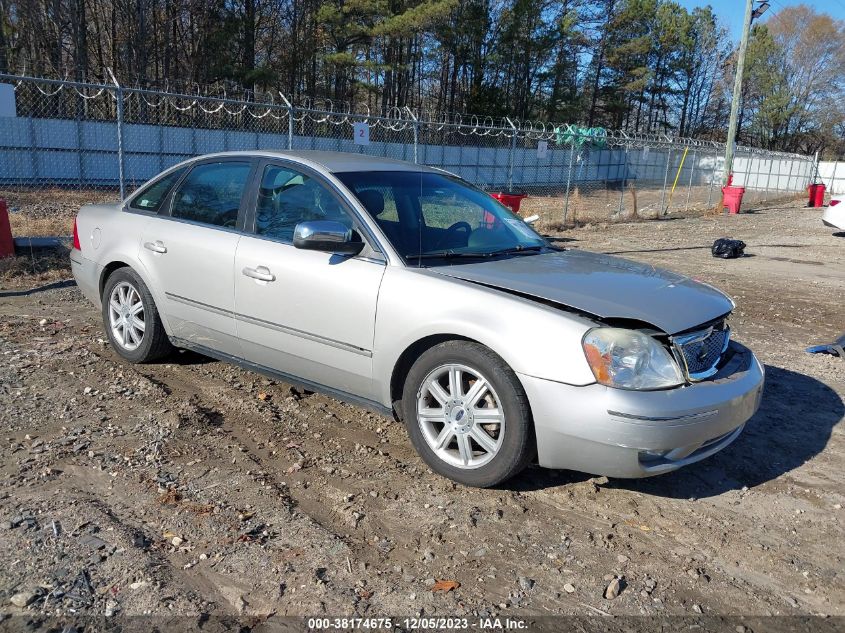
point(629, 359)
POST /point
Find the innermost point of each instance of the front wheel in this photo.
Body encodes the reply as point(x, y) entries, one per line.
point(467, 414)
point(131, 319)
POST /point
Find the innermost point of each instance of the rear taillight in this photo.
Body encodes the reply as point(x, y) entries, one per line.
point(833, 203)
point(76, 245)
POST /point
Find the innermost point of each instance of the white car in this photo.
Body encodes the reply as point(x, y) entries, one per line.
point(834, 215)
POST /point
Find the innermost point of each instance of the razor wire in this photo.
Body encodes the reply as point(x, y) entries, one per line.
point(103, 138)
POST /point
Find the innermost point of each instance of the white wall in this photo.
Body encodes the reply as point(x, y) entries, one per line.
point(36, 151)
point(832, 174)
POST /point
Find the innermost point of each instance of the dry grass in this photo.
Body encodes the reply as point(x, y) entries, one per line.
point(56, 195)
point(607, 205)
point(42, 213)
point(48, 212)
point(29, 271)
point(26, 226)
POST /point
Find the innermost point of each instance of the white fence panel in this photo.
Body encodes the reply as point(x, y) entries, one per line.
point(832, 174)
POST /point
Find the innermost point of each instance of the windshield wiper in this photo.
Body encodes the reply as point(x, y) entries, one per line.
point(456, 254)
point(443, 254)
point(514, 250)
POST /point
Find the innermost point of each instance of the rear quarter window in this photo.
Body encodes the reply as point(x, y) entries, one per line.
point(151, 197)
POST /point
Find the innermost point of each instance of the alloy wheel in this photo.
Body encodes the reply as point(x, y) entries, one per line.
point(460, 416)
point(126, 316)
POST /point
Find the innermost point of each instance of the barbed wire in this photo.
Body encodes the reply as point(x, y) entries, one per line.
point(263, 105)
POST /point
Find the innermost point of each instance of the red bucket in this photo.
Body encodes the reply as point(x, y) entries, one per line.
point(816, 192)
point(509, 199)
point(732, 198)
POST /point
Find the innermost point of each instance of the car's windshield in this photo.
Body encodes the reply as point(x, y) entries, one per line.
point(427, 215)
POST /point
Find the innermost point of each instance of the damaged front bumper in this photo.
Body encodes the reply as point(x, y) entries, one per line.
point(629, 434)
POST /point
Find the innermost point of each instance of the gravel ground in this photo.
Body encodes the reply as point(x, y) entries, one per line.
point(190, 486)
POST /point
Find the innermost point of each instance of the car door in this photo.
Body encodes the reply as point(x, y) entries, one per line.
point(189, 252)
point(307, 314)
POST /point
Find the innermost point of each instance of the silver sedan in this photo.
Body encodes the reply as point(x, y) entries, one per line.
point(406, 290)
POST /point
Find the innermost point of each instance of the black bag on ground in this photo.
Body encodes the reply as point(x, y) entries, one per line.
point(727, 248)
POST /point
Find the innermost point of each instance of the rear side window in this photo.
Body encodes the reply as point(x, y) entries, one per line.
point(152, 196)
point(211, 194)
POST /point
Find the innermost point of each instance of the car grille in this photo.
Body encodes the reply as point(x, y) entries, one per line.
point(699, 352)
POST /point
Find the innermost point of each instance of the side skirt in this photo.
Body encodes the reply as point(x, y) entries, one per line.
point(343, 396)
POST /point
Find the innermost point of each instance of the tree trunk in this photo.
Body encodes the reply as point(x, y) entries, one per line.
point(80, 27)
point(293, 70)
point(141, 49)
point(249, 44)
point(113, 33)
point(684, 107)
point(4, 57)
point(56, 48)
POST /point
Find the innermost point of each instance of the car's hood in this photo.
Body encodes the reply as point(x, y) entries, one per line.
point(605, 286)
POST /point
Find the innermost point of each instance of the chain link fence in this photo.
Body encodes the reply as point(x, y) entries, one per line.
point(65, 143)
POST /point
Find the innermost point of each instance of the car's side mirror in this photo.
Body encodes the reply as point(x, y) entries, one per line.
point(327, 236)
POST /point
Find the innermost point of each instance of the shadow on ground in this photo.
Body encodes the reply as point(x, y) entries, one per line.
point(185, 357)
point(536, 478)
point(794, 423)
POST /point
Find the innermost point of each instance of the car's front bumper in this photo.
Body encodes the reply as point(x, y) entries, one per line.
point(619, 433)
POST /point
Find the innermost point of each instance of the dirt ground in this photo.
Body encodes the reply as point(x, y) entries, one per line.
point(190, 486)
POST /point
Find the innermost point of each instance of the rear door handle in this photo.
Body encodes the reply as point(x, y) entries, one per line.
point(155, 247)
point(262, 273)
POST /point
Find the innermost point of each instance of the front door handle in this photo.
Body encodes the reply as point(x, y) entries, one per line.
point(262, 273)
point(155, 247)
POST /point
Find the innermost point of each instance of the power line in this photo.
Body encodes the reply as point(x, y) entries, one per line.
point(780, 4)
point(839, 2)
point(772, 16)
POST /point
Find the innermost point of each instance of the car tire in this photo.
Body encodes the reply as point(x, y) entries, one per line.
point(454, 430)
point(135, 334)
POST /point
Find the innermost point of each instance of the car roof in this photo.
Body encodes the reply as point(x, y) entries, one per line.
point(334, 162)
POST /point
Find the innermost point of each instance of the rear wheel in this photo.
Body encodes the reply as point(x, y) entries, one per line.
point(131, 319)
point(467, 414)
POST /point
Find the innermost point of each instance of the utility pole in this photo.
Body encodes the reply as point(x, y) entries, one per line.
point(750, 14)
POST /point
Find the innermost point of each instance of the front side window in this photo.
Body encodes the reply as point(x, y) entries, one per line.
point(287, 197)
point(211, 194)
point(431, 215)
point(153, 195)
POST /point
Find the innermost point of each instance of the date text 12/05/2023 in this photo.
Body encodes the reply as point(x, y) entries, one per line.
point(418, 623)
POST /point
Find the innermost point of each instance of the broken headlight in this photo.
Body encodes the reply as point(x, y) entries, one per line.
point(629, 359)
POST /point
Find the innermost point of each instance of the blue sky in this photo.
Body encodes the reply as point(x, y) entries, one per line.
point(731, 11)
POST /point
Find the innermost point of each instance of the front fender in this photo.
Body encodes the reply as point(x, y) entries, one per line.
point(534, 339)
